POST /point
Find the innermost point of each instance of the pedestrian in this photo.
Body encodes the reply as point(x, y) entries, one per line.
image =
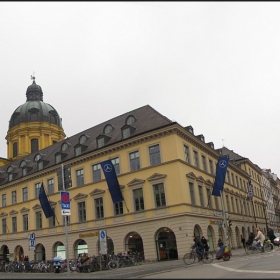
point(251, 238)
point(205, 244)
point(198, 247)
point(260, 237)
point(243, 241)
point(220, 243)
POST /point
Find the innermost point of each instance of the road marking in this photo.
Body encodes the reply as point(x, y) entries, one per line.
point(246, 271)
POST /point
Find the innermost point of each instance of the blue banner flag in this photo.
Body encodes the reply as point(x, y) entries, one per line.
point(45, 204)
point(221, 170)
point(112, 180)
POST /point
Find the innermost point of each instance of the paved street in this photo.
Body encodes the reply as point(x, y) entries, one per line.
point(241, 265)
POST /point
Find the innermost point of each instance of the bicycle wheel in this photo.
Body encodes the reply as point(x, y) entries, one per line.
point(249, 249)
point(189, 258)
point(207, 257)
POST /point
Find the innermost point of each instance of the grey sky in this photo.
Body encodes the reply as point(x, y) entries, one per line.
point(212, 65)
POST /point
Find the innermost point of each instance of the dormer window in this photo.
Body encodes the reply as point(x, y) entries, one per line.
point(10, 174)
point(40, 161)
point(102, 140)
point(107, 129)
point(64, 147)
point(24, 167)
point(83, 139)
point(130, 120)
point(127, 131)
point(79, 148)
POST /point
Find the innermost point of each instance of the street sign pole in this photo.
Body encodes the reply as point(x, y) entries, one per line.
point(65, 224)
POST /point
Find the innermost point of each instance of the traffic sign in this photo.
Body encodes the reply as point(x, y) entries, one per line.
point(65, 212)
point(31, 236)
point(65, 200)
point(102, 235)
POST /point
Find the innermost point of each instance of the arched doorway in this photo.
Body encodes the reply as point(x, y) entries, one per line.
point(209, 238)
point(59, 250)
point(80, 247)
point(40, 253)
point(197, 231)
point(238, 237)
point(134, 243)
point(4, 253)
point(19, 255)
point(166, 244)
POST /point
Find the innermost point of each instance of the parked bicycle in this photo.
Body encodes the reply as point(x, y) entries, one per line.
point(190, 258)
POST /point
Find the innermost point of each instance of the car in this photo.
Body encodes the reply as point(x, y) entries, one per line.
point(277, 239)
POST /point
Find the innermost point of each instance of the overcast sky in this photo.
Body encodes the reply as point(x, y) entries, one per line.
point(212, 65)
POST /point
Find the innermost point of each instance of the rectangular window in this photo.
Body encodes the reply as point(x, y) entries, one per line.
point(204, 163)
point(82, 211)
point(96, 172)
point(118, 208)
point(154, 153)
point(236, 181)
point(37, 189)
point(80, 177)
point(100, 142)
point(38, 220)
point(52, 219)
point(126, 132)
point(232, 204)
point(232, 179)
point(40, 165)
point(211, 167)
point(228, 177)
point(14, 224)
point(50, 183)
point(227, 201)
point(195, 155)
point(191, 186)
point(34, 145)
point(159, 195)
point(78, 151)
point(187, 154)
point(99, 211)
point(15, 149)
point(25, 222)
point(4, 226)
point(25, 194)
point(116, 163)
point(58, 158)
point(138, 199)
point(209, 197)
point(200, 191)
point(14, 197)
point(134, 161)
point(4, 200)
point(237, 205)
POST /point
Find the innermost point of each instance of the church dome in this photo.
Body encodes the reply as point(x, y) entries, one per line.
point(34, 109)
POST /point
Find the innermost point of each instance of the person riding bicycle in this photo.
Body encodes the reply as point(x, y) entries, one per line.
point(205, 244)
point(260, 237)
point(198, 246)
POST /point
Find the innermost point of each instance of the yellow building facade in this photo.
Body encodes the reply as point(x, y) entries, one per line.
point(166, 174)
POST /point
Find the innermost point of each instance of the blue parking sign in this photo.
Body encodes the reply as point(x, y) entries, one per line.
point(65, 200)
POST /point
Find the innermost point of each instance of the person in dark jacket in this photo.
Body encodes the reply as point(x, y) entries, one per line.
point(271, 236)
point(198, 247)
point(205, 244)
point(251, 238)
point(243, 241)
